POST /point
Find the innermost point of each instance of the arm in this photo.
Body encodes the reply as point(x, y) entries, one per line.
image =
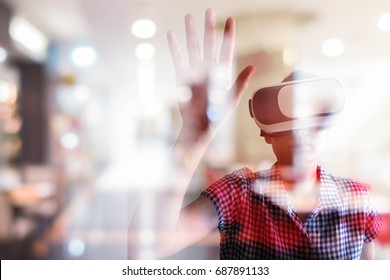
point(166, 228)
point(368, 251)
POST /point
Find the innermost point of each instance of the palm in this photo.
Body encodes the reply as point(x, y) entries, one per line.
point(205, 83)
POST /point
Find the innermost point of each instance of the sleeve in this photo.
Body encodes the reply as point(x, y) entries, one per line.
point(373, 223)
point(226, 194)
point(366, 215)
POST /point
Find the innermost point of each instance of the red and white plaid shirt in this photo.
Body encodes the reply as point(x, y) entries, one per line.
point(257, 219)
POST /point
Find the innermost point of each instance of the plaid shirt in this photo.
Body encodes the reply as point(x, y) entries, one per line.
point(257, 219)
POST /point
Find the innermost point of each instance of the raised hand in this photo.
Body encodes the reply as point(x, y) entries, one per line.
point(206, 96)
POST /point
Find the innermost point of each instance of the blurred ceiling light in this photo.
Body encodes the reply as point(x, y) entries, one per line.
point(384, 22)
point(3, 55)
point(145, 51)
point(29, 37)
point(143, 28)
point(184, 94)
point(76, 247)
point(5, 92)
point(70, 140)
point(84, 56)
point(8, 92)
point(214, 113)
point(332, 47)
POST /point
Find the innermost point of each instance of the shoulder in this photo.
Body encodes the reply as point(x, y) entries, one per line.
point(238, 178)
point(349, 185)
point(243, 175)
point(351, 193)
point(234, 184)
point(229, 193)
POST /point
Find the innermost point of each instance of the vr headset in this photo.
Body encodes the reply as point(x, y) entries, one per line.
point(298, 104)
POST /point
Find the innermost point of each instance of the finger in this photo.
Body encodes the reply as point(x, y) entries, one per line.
point(227, 48)
point(210, 35)
point(242, 83)
point(176, 54)
point(192, 40)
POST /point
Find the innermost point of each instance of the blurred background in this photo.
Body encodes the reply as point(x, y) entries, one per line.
point(88, 110)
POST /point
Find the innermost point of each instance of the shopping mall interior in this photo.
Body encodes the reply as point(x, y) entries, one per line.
point(88, 111)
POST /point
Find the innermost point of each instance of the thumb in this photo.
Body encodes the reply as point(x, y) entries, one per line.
point(241, 83)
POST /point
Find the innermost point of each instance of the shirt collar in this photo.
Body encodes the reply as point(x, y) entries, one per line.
point(270, 185)
point(330, 194)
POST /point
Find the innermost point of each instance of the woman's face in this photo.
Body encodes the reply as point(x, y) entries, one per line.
point(297, 147)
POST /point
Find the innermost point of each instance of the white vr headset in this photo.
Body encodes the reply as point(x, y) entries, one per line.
point(297, 104)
